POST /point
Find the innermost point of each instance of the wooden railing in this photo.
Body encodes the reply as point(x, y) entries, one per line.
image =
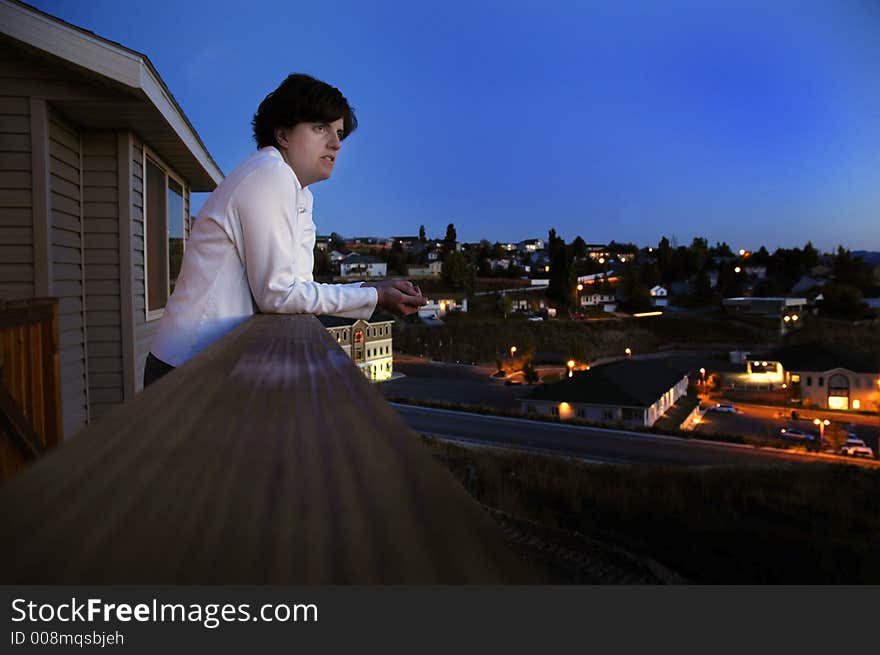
point(268, 458)
point(30, 392)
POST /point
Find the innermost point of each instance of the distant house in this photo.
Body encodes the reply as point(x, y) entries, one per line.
point(607, 301)
point(99, 162)
point(499, 264)
point(659, 296)
point(759, 272)
point(409, 244)
point(627, 392)
point(440, 303)
point(788, 311)
point(530, 245)
point(367, 342)
point(362, 266)
point(825, 376)
point(807, 283)
point(322, 242)
point(430, 270)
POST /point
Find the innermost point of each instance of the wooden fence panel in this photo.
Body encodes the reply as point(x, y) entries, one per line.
point(30, 405)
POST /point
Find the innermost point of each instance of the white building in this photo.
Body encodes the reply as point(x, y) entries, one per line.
point(659, 296)
point(368, 343)
point(626, 392)
point(362, 266)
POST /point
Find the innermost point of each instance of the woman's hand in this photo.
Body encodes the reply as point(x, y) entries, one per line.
point(400, 297)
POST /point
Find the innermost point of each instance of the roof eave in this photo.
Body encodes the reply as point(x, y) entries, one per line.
point(119, 65)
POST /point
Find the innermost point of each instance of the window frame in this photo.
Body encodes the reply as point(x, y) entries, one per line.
point(148, 153)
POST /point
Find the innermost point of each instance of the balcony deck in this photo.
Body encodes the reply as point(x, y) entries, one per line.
point(267, 459)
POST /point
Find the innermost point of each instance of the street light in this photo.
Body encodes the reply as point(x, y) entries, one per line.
point(822, 425)
point(570, 364)
point(628, 352)
point(737, 270)
point(580, 287)
point(702, 375)
point(512, 351)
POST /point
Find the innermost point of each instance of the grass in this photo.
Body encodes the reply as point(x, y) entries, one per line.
point(779, 524)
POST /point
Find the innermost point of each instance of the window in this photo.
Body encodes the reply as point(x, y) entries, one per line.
point(821, 381)
point(554, 410)
point(163, 234)
point(809, 380)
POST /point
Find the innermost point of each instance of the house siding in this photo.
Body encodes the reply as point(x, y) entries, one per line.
point(67, 269)
point(143, 329)
point(16, 196)
point(101, 218)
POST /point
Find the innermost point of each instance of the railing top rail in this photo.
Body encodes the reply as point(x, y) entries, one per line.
point(266, 459)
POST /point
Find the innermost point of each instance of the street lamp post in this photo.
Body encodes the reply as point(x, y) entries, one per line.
point(628, 352)
point(570, 365)
point(512, 351)
point(822, 425)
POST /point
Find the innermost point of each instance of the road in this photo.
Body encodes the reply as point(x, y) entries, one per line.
point(763, 421)
point(598, 445)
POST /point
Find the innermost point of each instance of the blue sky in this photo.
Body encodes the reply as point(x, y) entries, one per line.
point(624, 120)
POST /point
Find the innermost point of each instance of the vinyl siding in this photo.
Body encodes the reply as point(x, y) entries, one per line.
point(16, 199)
point(143, 330)
point(66, 253)
point(101, 256)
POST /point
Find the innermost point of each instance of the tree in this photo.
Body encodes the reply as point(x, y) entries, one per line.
point(579, 247)
point(638, 296)
point(457, 272)
point(563, 280)
point(336, 241)
point(529, 372)
point(422, 233)
point(842, 301)
point(450, 240)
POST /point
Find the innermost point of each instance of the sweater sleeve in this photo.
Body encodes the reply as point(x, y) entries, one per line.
point(272, 234)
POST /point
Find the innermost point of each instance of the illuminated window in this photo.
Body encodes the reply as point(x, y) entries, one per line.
point(795, 378)
point(838, 402)
point(857, 404)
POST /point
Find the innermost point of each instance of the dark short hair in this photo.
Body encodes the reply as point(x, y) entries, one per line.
point(301, 99)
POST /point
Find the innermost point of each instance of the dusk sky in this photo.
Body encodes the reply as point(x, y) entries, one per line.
point(748, 122)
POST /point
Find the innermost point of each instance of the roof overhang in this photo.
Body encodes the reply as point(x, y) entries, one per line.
point(124, 90)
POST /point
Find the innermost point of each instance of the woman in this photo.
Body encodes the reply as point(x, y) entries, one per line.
point(251, 247)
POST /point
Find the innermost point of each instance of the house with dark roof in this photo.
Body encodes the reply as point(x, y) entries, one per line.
point(367, 342)
point(826, 376)
point(628, 392)
point(362, 266)
point(98, 163)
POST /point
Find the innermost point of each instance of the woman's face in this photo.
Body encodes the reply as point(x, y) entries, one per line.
point(311, 149)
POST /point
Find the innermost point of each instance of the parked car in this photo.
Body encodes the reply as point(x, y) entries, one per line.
point(855, 447)
point(535, 318)
point(725, 407)
point(795, 433)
